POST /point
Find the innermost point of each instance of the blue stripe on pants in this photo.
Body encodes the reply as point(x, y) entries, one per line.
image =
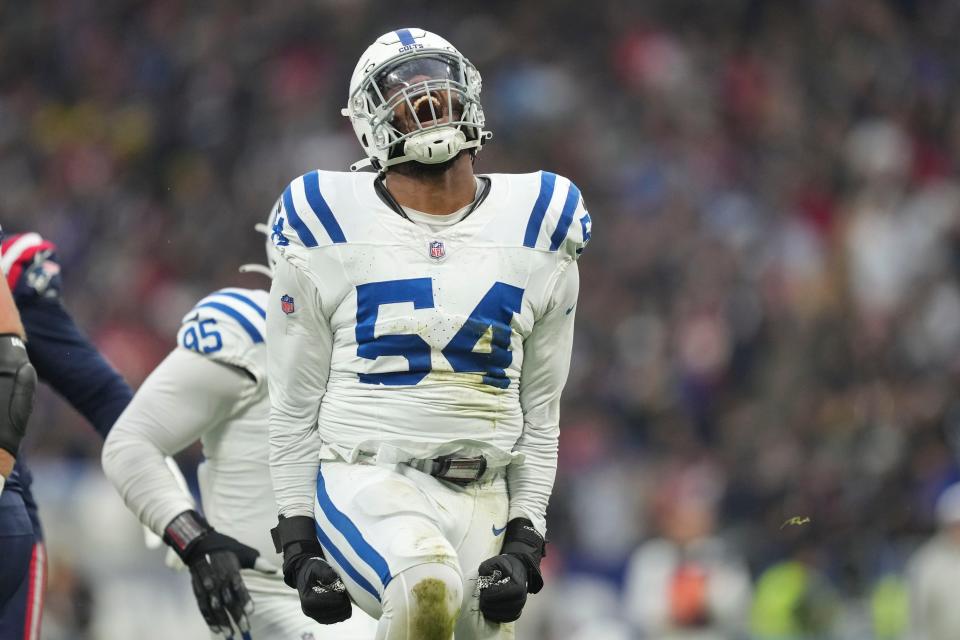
point(354, 538)
point(347, 567)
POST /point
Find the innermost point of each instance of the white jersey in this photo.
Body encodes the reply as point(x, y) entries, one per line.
point(393, 339)
point(229, 326)
point(193, 396)
point(235, 475)
point(212, 387)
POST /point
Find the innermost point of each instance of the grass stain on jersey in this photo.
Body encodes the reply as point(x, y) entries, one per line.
point(432, 621)
point(472, 381)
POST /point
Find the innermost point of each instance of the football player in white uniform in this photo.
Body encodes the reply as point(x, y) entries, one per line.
point(212, 388)
point(420, 323)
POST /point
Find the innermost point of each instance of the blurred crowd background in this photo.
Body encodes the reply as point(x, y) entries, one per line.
point(763, 406)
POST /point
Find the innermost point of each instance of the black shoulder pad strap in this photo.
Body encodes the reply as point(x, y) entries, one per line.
point(18, 380)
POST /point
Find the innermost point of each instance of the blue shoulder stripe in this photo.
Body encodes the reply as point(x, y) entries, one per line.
point(311, 185)
point(349, 531)
point(547, 183)
point(306, 237)
point(236, 315)
point(244, 299)
point(566, 217)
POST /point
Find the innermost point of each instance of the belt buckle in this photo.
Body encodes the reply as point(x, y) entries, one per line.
point(460, 471)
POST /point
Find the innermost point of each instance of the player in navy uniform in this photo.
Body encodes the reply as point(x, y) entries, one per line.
point(66, 360)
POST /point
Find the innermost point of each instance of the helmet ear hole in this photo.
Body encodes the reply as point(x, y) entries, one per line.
point(363, 141)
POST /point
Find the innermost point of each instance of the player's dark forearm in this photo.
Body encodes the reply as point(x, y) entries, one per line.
point(66, 359)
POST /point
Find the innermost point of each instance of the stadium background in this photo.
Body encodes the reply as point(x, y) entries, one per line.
point(769, 323)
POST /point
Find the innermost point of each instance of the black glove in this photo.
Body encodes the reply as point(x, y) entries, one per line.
point(214, 560)
point(505, 580)
point(323, 596)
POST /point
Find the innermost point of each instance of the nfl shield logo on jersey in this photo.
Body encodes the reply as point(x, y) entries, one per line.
point(437, 252)
point(286, 304)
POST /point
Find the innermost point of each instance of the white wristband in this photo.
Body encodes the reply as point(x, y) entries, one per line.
point(3, 481)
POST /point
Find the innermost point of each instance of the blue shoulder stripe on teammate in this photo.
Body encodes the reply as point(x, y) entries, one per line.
point(566, 217)
point(251, 330)
point(306, 237)
point(547, 183)
point(244, 299)
point(345, 564)
point(406, 38)
point(349, 531)
point(311, 186)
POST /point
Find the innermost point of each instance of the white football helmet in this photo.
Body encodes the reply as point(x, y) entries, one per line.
point(413, 96)
point(268, 231)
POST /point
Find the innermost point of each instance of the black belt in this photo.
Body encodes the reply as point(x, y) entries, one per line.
point(455, 469)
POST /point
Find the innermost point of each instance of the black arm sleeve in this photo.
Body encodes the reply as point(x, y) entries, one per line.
point(66, 360)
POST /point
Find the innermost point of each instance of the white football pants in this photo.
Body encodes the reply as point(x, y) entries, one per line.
point(408, 547)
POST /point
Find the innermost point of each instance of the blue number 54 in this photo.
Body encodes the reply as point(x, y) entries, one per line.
point(492, 314)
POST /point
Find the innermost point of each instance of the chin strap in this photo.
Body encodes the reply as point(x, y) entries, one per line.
point(256, 268)
point(382, 166)
point(361, 164)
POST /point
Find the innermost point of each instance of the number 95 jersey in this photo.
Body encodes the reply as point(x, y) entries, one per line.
point(393, 337)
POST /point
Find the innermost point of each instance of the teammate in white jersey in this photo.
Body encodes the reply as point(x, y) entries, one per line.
point(212, 387)
point(420, 323)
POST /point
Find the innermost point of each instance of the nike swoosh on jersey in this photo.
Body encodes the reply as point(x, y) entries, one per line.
point(570, 309)
point(497, 532)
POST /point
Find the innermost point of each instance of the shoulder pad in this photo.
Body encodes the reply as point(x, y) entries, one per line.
point(558, 219)
point(30, 265)
point(303, 216)
point(229, 326)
